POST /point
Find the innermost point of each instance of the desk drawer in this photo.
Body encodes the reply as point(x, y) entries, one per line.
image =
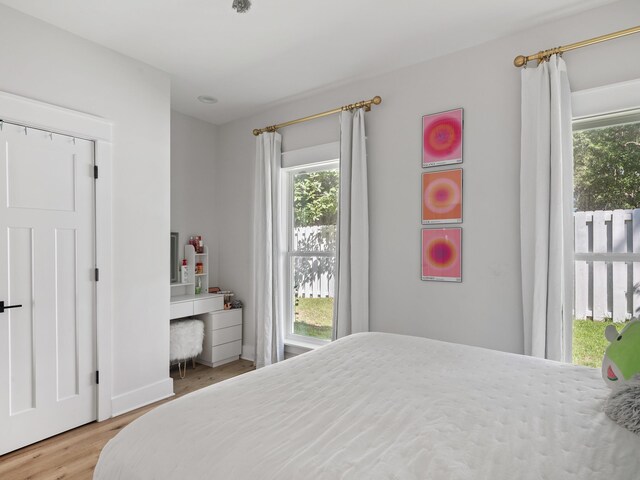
point(228, 350)
point(208, 305)
point(222, 319)
point(179, 310)
point(226, 335)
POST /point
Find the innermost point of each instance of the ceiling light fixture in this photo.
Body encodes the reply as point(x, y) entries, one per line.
point(207, 99)
point(241, 6)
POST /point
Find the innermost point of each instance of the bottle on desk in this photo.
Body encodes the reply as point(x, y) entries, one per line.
point(198, 286)
point(184, 272)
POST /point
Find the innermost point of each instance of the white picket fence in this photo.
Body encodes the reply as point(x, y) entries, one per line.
point(315, 274)
point(321, 286)
point(607, 264)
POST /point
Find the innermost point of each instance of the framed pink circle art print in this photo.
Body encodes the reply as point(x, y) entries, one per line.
point(442, 254)
point(442, 138)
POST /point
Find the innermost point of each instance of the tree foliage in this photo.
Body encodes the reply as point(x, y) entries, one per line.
point(315, 198)
point(607, 168)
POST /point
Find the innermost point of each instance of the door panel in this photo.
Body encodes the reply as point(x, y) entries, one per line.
point(66, 313)
point(47, 256)
point(30, 169)
point(20, 321)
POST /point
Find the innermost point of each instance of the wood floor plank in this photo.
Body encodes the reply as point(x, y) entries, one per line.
point(73, 455)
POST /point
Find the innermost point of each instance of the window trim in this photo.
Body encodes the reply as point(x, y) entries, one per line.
point(311, 155)
point(287, 176)
point(606, 99)
point(623, 117)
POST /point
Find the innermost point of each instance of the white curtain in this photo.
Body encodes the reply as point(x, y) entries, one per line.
point(351, 307)
point(546, 217)
point(268, 290)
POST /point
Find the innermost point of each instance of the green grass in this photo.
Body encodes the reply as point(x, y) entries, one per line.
point(314, 317)
point(589, 342)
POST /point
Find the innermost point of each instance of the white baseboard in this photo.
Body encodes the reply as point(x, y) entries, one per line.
point(142, 396)
point(248, 353)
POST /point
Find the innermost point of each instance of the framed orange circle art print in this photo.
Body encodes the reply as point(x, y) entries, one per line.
point(442, 197)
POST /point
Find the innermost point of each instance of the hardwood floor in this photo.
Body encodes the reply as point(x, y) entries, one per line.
point(73, 454)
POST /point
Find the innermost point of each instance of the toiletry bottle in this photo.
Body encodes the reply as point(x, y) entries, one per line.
point(198, 287)
point(184, 272)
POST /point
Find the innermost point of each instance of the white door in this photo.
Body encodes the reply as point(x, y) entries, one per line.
point(47, 244)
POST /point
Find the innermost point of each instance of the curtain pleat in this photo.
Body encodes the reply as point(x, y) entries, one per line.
point(546, 216)
point(351, 305)
point(268, 258)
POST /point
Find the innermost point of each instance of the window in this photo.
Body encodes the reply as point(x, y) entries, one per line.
point(606, 214)
point(311, 213)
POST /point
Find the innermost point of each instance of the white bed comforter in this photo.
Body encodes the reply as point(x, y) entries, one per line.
point(381, 406)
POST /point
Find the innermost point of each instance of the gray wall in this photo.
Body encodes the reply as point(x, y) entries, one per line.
point(485, 309)
point(193, 172)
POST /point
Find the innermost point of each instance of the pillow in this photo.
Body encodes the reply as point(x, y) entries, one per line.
point(623, 405)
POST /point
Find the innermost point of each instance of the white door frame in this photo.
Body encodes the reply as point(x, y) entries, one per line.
point(32, 113)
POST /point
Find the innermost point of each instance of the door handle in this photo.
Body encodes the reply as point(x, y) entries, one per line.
point(4, 307)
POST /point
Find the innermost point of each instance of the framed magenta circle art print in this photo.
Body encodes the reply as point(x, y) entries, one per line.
point(442, 138)
point(442, 197)
point(442, 254)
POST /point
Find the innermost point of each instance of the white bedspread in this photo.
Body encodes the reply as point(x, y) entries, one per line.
point(381, 406)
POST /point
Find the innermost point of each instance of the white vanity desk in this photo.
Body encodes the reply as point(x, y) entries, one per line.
point(189, 305)
point(222, 328)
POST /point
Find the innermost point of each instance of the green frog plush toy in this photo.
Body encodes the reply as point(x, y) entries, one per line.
point(621, 361)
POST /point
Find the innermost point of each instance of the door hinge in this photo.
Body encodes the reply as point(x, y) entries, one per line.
point(97, 274)
point(95, 171)
point(97, 377)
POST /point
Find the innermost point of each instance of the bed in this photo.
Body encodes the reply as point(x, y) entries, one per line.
point(382, 406)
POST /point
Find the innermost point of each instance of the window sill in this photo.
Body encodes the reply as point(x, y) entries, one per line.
point(298, 347)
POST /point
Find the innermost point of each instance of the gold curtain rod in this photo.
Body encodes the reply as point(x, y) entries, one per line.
point(366, 104)
point(521, 60)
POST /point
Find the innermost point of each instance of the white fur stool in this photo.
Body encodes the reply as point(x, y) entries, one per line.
point(185, 342)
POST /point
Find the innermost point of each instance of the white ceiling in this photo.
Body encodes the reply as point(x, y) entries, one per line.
point(285, 48)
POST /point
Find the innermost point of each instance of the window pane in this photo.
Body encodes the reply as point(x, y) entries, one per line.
point(607, 168)
point(313, 287)
point(315, 210)
point(606, 206)
point(316, 238)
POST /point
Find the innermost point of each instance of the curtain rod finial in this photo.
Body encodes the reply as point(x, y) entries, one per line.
point(256, 132)
point(377, 100)
point(520, 61)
